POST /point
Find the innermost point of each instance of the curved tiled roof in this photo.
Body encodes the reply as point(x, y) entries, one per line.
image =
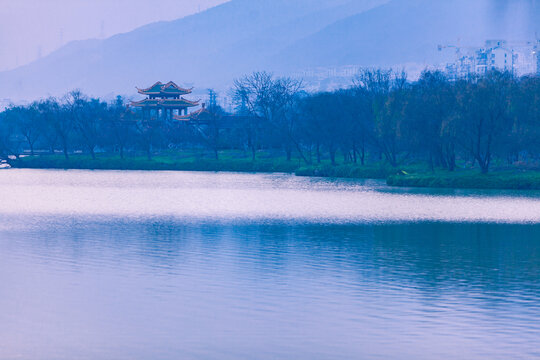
point(169, 88)
point(192, 116)
point(165, 103)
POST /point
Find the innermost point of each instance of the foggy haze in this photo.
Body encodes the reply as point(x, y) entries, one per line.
point(514, 19)
point(30, 29)
point(235, 38)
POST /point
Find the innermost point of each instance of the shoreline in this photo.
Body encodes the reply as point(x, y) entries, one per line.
point(408, 176)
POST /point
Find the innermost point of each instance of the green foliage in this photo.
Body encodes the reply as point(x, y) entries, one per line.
point(346, 171)
point(164, 162)
point(470, 180)
point(382, 126)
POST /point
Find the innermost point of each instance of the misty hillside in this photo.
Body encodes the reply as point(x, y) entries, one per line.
point(211, 48)
point(405, 31)
point(206, 49)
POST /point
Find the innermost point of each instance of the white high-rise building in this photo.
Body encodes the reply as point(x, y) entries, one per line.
point(520, 59)
point(500, 56)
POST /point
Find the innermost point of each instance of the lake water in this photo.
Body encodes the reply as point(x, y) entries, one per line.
point(172, 265)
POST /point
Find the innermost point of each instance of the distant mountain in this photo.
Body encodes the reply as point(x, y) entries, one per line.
point(206, 49)
point(212, 48)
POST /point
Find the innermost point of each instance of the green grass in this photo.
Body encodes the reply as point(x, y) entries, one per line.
point(470, 179)
point(180, 162)
point(347, 171)
point(415, 175)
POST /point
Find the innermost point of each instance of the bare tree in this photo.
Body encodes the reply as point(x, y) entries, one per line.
point(252, 95)
point(386, 94)
point(485, 116)
point(28, 122)
point(273, 103)
point(432, 110)
point(149, 130)
point(87, 116)
point(7, 131)
point(57, 119)
point(120, 122)
point(328, 122)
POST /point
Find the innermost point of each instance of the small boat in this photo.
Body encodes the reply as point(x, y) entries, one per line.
point(4, 165)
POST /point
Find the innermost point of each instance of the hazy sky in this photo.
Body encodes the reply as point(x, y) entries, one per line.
point(33, 28)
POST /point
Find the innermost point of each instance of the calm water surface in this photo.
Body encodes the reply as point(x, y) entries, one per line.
point(164, 265)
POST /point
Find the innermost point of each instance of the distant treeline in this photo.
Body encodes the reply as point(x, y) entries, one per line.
point(381, 117)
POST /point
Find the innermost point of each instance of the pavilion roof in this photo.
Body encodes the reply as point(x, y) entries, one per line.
point(201, 114)
point(165, 103)
point(169, 88)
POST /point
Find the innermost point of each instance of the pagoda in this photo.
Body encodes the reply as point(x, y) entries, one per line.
point(164, 101)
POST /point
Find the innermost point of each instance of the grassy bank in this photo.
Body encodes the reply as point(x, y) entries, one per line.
point(408, 176)
point(349, 171)
point(165, 162)
point(469, 179)
point(228, 161)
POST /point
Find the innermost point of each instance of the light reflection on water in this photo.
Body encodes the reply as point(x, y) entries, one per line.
point(237, 197)
point(110, 283)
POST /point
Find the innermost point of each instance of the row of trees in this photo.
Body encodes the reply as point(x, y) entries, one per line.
point(77, 123)
point(381, 117)
point(384, 115)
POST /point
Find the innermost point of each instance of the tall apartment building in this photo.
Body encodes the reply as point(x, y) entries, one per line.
point(519, 59)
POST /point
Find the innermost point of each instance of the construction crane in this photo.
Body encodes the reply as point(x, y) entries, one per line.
point(458, 48)
point(500, 42)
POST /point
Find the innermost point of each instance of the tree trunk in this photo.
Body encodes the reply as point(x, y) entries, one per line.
point(149, 152)
point(333, 156)
point(289, 154)
point(64, 145)
point(390, 157)
point(216, 141)
point(302, 155)
point(451, 155)
point(347, 155)
point(484, 168)
point(442, 158)
point(485, 164)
